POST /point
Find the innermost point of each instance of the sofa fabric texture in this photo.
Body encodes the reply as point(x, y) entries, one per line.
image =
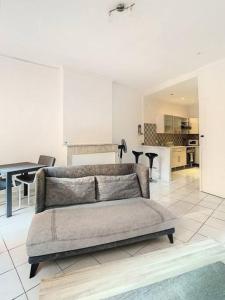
point(86, 225)
point(141, 171)
point(117, 187)
point(69, 191)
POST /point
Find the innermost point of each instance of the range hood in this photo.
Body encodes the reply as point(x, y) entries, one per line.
point(185, 125)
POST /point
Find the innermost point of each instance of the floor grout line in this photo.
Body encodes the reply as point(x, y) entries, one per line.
point(205, 222)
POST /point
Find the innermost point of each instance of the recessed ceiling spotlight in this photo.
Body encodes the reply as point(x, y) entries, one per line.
point(121, 7)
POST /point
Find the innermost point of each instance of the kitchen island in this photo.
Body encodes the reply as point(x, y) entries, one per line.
point(162, 163)
point(168, 157)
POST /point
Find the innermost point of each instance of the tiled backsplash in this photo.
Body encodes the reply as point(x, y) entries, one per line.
point(151, 137)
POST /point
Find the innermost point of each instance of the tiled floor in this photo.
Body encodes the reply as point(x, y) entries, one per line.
point(200, 215)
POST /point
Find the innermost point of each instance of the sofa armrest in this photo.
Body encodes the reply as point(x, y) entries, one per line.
point(143, 177)
point(40, 191)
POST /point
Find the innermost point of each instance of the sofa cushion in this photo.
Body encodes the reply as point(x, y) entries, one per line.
point(68, 191)
point(117, 187)
point(86, 225)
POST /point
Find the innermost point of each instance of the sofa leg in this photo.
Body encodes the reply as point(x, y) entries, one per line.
point(33, 270)
point(170, 236)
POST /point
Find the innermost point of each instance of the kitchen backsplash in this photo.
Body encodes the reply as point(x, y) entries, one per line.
point(151, 137)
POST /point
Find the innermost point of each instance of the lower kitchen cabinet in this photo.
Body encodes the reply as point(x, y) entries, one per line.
point(178, 157)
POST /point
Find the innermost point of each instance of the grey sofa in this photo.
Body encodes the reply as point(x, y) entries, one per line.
point(59, 229)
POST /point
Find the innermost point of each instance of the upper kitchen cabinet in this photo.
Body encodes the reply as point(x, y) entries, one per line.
point(194, 124)
point(168, 124)
point(177, 125)
point(171, 124)
point(164, 124)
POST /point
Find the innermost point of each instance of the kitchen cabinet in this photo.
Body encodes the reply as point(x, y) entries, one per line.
point(178, 157)
point(168, 124)
point(171, 124)
point(194, 123)
point(177, 125)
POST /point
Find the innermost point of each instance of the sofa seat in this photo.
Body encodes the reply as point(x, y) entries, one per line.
point(81, 226)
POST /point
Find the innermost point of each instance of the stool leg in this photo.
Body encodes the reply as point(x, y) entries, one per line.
point(150, 174)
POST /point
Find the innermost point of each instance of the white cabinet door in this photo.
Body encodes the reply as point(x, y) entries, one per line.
point(179, 157)
point(194, 126)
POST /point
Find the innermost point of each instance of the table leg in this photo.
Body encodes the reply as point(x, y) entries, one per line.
point(8, 195)
point(25, 191)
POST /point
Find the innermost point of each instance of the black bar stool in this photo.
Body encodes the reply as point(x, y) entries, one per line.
point(151, 157)
point(137, 154)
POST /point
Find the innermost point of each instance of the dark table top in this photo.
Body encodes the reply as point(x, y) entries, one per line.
point(21, 167)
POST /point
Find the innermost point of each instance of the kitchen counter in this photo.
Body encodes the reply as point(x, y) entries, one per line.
point(163, 163)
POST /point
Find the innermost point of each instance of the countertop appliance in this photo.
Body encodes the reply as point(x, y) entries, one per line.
point(193, 142)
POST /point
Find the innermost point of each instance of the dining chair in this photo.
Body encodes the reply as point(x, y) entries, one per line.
point(14, 184)
point(29, 179)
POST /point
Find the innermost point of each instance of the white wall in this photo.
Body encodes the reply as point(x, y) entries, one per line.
point(127, 114)
point(30, 111)
point(153, 108)
point(87, 108)
point(194, 110)
point(42, 107)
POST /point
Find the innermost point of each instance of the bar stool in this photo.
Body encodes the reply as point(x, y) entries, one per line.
point(151, 157)
point(137, 154)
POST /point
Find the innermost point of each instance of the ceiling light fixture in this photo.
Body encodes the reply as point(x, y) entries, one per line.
point(121, 7)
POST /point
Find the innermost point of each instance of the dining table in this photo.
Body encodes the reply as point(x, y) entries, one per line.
point(8, 171)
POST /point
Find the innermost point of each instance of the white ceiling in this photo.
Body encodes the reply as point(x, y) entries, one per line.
point(183, 93)
point(157, 41)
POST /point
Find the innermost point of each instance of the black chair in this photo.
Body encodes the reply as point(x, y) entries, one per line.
point(151, 157)
point(137, 154)
point(29, 179)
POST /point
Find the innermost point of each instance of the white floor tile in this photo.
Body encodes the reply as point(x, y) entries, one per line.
point(216, 223)
point(212, 233)
point(219, 215)
point(79, 260)
point(197, 216)
point(188, 224)
point(2, 246)
point(22, 297)
point(10, 286)
point(183, 234)
point(110, 255)
point(201, 209)
point(14, 236)
point(180, 208)
point(19, 255)
point(157, 244)
point(33, 294)
point(45, 270)
point(198, 238)
point(134, 248)
point(5, 262)
point(208, 204)
point(85, 261)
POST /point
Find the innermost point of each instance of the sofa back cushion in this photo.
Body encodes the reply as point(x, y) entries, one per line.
point(117, 187)
point(68, 191)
